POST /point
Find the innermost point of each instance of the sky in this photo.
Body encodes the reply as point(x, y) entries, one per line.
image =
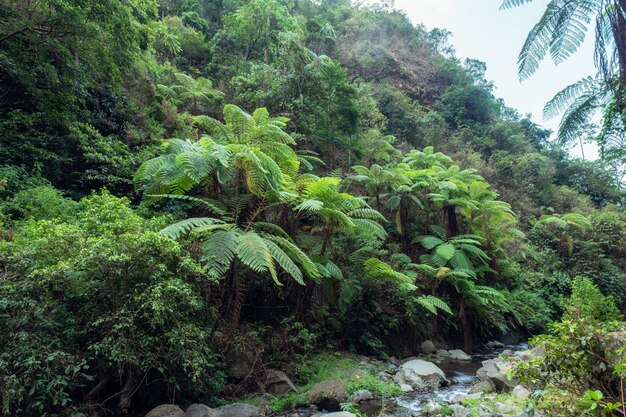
point(481, 31)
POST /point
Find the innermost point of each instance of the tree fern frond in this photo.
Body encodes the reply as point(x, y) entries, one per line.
point(252, 252)
point(211, 205)
point(176, 230)
point(432, 304)
point(284, 261)
point(219, 249)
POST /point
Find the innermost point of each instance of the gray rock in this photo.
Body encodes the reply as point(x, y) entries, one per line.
point(458, 355)
point(384, 376)
point(431, 407)
point(494, 344)
point(482, 386)
point(340, 414)
point(201, 410)
point(456, 398)
point(521, 393)
point(406, 388)
point(166, 410)
point(442, 353)
point(460, 411)
point(420, 374)
point(328, 394)
point(277, 383)
point(239, 362)
point(238, 410)
point(428, 347)
point(362, 395)
point(504, 408)
point(495, 370)
point(538, 351)
point(474, 396)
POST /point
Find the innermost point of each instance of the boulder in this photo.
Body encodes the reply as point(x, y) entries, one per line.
point(277, 383)
point(538, 351)
point(406, 388)
point(166, 410)
point(362, 395)
point(432, 407)
point(482, 386)
point(238, 410)
point(474, 396)
point(458, 355)
point(614, 341)
point(428, 347)
point(456, 398)
point(328, 394)
point(460, 411)
point(494, 344)
point(442, 353)
point(420, 374)
point(504, 408)
point(239, 362)
point(521, 393)
point(495, 370)
point(201, 410)
point(384, 376)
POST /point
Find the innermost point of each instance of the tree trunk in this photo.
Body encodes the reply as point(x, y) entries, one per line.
point(452, 225)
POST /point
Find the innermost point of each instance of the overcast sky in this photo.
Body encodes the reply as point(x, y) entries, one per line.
point(481, 31)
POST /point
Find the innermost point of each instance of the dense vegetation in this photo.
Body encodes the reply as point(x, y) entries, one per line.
point(267, 177)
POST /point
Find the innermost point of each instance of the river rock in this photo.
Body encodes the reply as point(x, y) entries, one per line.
point(428, 347)
point(238, 410)
point(328, 394)
point(504, 408)
point(420, 374)
point(614, 341)
point(339, 414)
point(460, 411)
point(406, 388)
point(277, 383)
point(474, 396)
point(521, 393)
point(362, 395)
point(239, 362)
point(431, 407)
point(458, 355)
point(495, 370)
point(442, 354)
point(482, 386)
point(166, 410)
point(456, 398)
point(494, 344)
point(201, 410)
point(384, 376)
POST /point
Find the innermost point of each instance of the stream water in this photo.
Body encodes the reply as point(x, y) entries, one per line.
point(460, 374)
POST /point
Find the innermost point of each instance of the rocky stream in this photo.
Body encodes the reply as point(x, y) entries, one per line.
point(438, 383)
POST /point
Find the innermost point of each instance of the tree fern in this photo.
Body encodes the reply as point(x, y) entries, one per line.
point(433, 304)
point(178, 229)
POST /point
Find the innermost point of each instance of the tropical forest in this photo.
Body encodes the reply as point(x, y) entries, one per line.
point(306, 208)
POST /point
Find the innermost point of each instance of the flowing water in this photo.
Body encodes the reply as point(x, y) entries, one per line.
point(460, 374)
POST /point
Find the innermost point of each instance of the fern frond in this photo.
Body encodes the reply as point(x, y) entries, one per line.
point(211, 205)
point(183, 227)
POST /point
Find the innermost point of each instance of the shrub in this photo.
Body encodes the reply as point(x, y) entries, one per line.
point(101, 310)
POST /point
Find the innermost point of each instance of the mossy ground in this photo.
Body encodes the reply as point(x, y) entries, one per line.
point(353, 371)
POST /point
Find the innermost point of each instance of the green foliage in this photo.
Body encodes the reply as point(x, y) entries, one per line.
point(73, 292)
point(579, 355)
